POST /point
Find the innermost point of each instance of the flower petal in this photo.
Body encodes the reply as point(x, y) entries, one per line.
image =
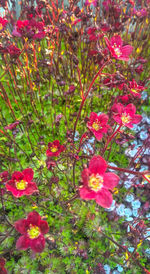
point(28, 174)
point(97, 165)
point(21, 226)
point(137, 119)
point(44, 227)
point(85, 176)
point(37, 245)
point(23, 243)
point(17, 175)
point(110, 180)
point(32, 187)
point(86, 194)
point(104, 198)
point(34, 218)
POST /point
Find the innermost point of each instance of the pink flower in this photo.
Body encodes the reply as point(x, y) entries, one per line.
point(98, 124)
point(21, 183)
point(32, 229)
point(91, 2)
point(4, 176)
point(126, 115)
point(135, 89)
point(97, 183)
point(2, 268)
point(117, 50)
point(3, 23)
point(54, 149)
point(12, 126)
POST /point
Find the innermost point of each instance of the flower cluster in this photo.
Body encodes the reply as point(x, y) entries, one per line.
point(21, 183)
point(97, 183)
point(32, 229)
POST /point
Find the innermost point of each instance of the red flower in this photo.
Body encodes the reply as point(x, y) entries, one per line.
point(98, 124)
point(12, 126)
point(126, 115)
point(21, 183)
point(97, 183)
point(135, 88)
point(13, 51)
point(2, 268)
point(117, 50)
point(54, 149)
point(32, 230)
point(91, 2)
point(4, 176)
point(3, 23)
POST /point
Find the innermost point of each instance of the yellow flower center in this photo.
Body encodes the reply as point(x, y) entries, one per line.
point(33, 232)
point(96, 126)
point(1, 26)
point(54, 148)
point(134, 90)
point(95, 182)
point(21, 185)
point(125, 118)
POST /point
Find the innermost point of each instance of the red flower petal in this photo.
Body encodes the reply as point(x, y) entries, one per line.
point(85, 176)
point(32, 187)
point(17, 175)
point(21, 226)
point(116, 40)
point(44, 227)
point(137, 119)
point(23, 243)
point(2, 262)
point(104, 198)
point(97, 134)
point(131, 109)
point(28, 174)
point(37, 245)
point(56, 143)
point(97, 165)
point(34, 218)
point(86, 194)
point(126, 50)
point(110, 180)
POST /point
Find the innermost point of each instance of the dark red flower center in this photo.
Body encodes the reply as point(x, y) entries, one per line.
point(96, 125)
point(33, 232)
point(21, 185)
point(54, 148)
point(95, 182)
point(125, 118)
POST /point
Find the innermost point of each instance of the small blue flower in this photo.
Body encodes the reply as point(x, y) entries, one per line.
point(148, 216)
point(129, 198)
point(131, 249)
point(136, 204)
point(147, 234)
point(128, 212)
point(144, 95)
point(129, 219)
point(120, 210)
point(107, 268)
point(147, 251)
point(127, 184)
point(143, 135)
point(135, 212)
point(112, 206)
point(115, 272)
point(119, 268)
